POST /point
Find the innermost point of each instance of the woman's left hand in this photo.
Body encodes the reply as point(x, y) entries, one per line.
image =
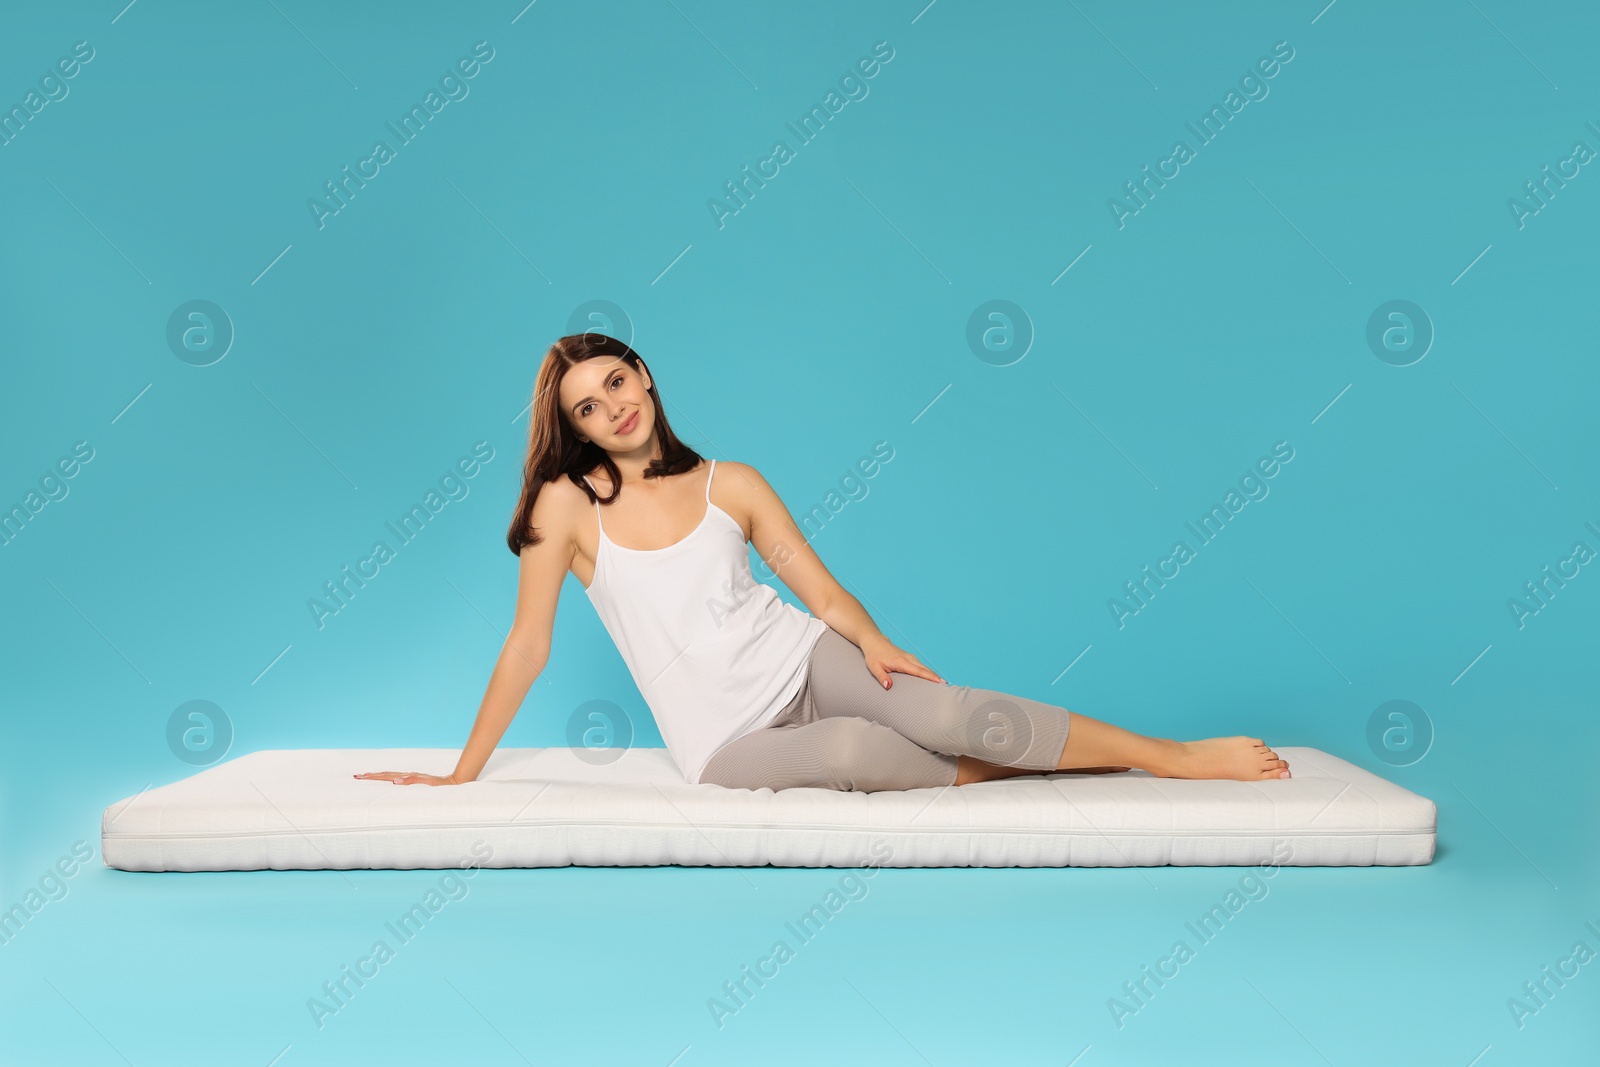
point(883, 658)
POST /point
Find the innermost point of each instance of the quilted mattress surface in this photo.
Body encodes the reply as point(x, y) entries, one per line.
point(553, 807)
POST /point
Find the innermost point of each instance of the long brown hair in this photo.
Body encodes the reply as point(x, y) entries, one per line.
point(554, 449)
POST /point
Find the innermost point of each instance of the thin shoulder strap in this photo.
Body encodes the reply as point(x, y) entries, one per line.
point(709, 475)
point(596, 504)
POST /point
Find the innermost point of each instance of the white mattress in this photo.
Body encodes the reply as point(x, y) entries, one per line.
point(285, 810)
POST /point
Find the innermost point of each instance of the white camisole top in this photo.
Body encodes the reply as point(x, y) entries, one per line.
point(715, 653)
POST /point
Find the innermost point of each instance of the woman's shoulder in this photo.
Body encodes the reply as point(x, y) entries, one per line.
point(742, 474)
point(557, 511)
point(562, 498)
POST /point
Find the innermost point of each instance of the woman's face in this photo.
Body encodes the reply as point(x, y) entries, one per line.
point(608, 402)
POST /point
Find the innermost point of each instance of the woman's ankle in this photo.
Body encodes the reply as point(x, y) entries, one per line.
point(1167, 758)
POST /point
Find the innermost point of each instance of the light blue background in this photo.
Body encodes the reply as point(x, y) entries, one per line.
point(830, 313)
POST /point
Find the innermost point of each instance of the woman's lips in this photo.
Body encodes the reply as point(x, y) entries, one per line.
point(628, 424)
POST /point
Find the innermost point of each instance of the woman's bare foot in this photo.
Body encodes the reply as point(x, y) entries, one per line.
point(1240, 759)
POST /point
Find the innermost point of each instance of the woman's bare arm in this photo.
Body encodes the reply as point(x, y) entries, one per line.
point(781, 544)
point(784, 548)
point(541, 569)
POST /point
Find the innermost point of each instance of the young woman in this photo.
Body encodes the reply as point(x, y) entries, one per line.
point(748, 691)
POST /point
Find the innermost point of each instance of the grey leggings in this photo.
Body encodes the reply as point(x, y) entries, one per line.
point(845, 731)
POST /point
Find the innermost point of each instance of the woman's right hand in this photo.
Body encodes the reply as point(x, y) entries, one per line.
point(408, 778)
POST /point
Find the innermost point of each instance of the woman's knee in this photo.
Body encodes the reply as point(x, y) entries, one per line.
point(984, 724)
